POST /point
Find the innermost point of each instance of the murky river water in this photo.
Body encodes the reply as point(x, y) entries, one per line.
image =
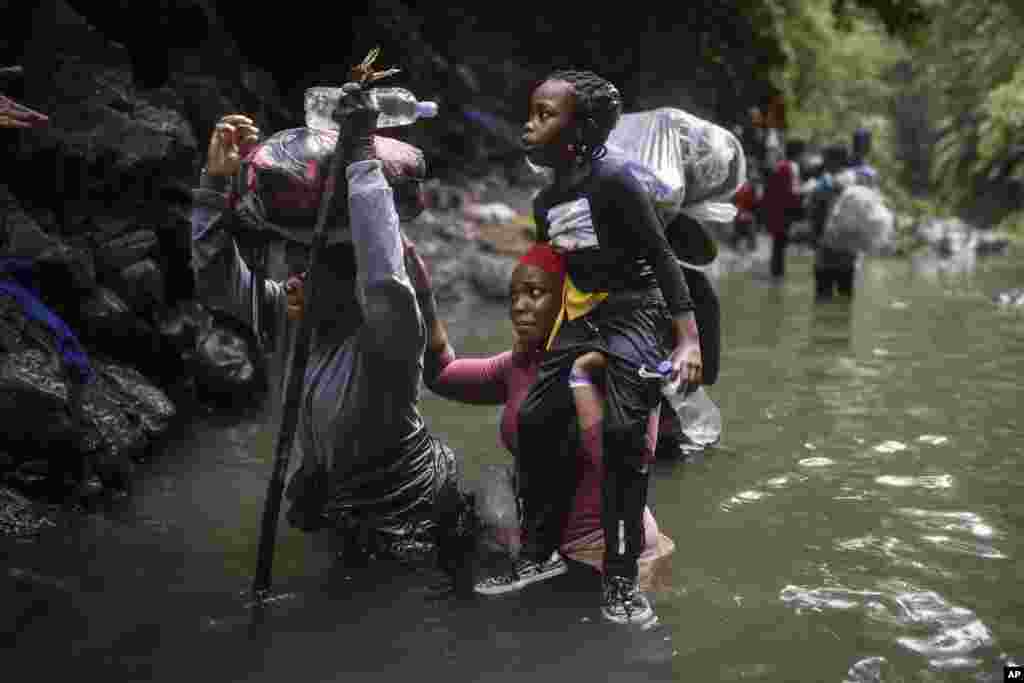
point(860, 521)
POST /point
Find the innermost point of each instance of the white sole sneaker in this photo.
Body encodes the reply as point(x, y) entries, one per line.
point(618, 592)
point(531, 573)
point(645, 619)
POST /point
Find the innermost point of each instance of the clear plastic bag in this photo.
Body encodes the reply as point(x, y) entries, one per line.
point(689, 164)
point(497, 509)
point(859, 221)
point(699, 417)
point(282, 180)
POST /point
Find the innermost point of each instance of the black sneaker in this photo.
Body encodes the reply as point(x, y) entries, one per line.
point(623, 603)
point(522, 575)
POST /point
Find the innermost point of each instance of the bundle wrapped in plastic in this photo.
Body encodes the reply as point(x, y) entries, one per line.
point(690, 165)
point(498, 509)
point(859, 221)
point(279, 186)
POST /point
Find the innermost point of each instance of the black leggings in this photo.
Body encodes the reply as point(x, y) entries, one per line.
point(834, 279)
point(778, 264)
point(629, 331)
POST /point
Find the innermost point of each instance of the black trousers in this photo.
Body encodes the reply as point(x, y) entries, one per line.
point(834, 271)
point(630, 330)
point(779, 243)
point(833, 279)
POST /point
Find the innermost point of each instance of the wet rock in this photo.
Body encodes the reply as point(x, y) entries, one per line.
point(112, 437)
point(19, 516)
point(867, 670)
point(512, 239)
point(446, 277)
point(494, 212)
point(226, 364)
point(441, 196)
point(458, 231)
point(106, 324)
point(104, 317)
point(126, 250)
point(182, 326)
point(118, 137)
point(142, 284)
point(1011, 297)
point(34, 403)
point(37, 467)
point(990, 243)
point(144, 403)
point(946, 236)
point(20, 235)
point(490, 274)
point(64, 275)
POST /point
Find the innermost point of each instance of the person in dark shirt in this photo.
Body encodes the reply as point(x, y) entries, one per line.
point(626, 305)
point(834, 269)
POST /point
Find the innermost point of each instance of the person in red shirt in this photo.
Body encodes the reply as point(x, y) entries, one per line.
point(744, 226)
point(782, 203)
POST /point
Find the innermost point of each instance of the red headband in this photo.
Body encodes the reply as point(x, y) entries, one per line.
point(544, 257)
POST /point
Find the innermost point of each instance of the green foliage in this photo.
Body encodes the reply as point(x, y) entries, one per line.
point(908, 19)
point(976, 54)
point(1013, 224)
point(1002, 127)
point(836, 80)
point(945, 101)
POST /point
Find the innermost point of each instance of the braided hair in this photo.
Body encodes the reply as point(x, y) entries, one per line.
point(598, 107)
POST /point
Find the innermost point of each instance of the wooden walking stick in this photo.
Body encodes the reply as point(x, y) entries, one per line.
point(361, 74)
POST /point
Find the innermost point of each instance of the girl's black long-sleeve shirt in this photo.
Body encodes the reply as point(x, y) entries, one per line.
point(612, 236)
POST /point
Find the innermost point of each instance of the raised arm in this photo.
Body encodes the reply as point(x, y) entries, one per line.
point(476, 380)
point(223, 279)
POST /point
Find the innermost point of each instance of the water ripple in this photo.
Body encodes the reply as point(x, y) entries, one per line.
point(896, 551)
point(946, 635)
point(936, 520)
point(784, 481)
point(868, 670)
point(925, 481)
point(965, 547)
point(816, 462)
point(742, 498)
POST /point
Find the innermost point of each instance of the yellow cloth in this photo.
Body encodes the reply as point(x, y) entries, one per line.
point(574, 305)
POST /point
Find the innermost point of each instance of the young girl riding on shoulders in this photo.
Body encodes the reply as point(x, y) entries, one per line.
point(626, 306)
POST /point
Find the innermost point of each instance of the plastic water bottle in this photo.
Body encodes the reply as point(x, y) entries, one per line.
point(699, 417)
point(397, 107)
point(670, 389)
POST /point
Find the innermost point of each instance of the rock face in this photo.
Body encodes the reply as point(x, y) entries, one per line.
point(947, 237)
point(99, 201)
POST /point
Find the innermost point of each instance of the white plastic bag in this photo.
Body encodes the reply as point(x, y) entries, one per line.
point(689, 164)
point(498, 509)
point(699, 417)
point(859, 221)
